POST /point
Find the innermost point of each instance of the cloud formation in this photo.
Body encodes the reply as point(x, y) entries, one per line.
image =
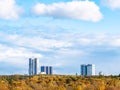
point(9, 9)
point(114, 4)
point(80, 10)
point(62, 51)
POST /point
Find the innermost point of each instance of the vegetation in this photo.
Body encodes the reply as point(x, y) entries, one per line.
point(59, 82)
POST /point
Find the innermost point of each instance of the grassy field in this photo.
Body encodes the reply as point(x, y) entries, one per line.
point(59, 82)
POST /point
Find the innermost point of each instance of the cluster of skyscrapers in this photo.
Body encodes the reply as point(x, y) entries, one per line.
point(34, 68)
point(88, 70)
point(46, 70)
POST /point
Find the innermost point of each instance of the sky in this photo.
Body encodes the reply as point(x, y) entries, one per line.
point(60, 33)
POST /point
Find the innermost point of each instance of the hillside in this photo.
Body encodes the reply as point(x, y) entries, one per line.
point(59, 82)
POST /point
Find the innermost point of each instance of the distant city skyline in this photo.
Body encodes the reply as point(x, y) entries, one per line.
point(61, 33)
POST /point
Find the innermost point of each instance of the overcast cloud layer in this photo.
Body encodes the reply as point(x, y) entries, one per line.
point(81, 10)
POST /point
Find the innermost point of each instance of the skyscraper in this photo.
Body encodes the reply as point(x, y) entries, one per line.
point(47, 70)
point(43, 69)
point(50, 70)
point(83, 70)
point(33, 66)
point(88, 70)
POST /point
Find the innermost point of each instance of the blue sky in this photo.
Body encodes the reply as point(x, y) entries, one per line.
point(61, 33)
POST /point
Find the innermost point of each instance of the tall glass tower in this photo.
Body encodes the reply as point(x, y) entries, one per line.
point(47, 70)
point(33, 66)
point(83, 70)
point(87, 70)
point(90, 69)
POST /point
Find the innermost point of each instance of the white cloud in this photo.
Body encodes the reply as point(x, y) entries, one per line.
point(115, 42)
point(13, 54)
point(114, 4)
point(39, 43)
point(81, 10)
point(9, 9)
point(67, 52)
point(36, 42)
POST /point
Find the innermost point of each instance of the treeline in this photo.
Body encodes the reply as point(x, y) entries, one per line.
point(59, 82)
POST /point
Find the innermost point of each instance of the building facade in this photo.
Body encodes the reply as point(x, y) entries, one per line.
point(83, 70)
point(33, 66)
point(47, 70)
point(87, 70)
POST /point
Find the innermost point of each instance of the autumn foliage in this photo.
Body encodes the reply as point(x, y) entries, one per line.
point(59, 82)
